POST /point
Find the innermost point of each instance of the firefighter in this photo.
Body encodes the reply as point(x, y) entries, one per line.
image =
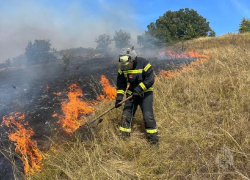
point(138, 73)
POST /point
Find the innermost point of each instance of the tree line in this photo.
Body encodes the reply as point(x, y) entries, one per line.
point(172, 27)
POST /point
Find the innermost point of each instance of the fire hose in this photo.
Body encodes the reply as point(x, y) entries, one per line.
point(107, 111)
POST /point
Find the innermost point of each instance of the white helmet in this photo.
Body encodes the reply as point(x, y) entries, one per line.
point(126, 58)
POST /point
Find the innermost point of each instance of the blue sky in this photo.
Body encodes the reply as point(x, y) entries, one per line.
point(74, 23)
point(224, 15)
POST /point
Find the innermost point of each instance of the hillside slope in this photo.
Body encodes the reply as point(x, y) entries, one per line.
point(203, 120)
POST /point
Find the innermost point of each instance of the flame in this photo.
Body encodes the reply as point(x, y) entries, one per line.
point(193, 64)
point(47, 88)
point(109, 91)
point(190, 54)
point(21, 134)
point(169, 74)
point(54, 115)
point(58, 94)
point(200, 58)
point(73, 109)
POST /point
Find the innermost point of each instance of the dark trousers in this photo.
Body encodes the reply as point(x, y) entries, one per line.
point(146, 105)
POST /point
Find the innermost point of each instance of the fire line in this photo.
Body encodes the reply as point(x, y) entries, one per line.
point(20, 133)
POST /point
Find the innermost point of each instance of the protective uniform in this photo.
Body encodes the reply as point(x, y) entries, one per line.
point(140, 77)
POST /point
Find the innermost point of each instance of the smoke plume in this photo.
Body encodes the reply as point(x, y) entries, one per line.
point(68, 24)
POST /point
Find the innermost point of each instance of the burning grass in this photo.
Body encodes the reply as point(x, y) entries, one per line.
point(203, 122)
point(109, 91)
point(20, 133)
point(199, 59)
point(73, 108)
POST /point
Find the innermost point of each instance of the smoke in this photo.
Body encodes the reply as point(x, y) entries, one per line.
point(67, 24)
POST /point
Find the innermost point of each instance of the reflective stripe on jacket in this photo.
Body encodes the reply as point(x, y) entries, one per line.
point(140, 78)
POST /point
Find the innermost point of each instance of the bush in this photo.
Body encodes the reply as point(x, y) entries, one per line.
point(39, 52)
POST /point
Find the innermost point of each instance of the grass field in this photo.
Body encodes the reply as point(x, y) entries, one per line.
point(203, 121)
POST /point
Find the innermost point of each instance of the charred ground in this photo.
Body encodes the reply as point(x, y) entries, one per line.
point(33, 91)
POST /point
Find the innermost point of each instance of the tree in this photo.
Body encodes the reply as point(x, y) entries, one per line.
point(244, 25)
point(8, 62)
point(38, 52)
point(179, 25)
point(211, 33)
point(67, 60)
point(103, 41)
point(122, 39)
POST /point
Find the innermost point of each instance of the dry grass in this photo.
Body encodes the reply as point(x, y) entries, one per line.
point(203, 120)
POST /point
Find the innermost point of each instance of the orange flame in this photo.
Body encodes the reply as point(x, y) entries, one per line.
point(109, 91)
point(47, 87)
point(169, 74)
point(190, 54)
point(73, 109)
point(193, 64)
point(21, 133)
point(54, 115)
point(201, 58)
point(58, 94)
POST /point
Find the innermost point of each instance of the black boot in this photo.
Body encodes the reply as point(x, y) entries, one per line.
point(153, 138)
point(125, 135)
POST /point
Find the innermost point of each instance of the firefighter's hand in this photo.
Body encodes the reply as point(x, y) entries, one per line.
point(136, 94)
point(117, 103)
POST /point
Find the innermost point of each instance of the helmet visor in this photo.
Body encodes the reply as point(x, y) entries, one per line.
point(124, 59)
point(125, 63)
point(125, 66)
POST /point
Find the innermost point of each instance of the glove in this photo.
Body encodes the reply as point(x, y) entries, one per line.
point(136, 94)
point(117, 103)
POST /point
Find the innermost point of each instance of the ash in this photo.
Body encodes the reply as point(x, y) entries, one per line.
point(33, 91)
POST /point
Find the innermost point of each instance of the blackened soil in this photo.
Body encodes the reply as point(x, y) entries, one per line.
point(31, 90)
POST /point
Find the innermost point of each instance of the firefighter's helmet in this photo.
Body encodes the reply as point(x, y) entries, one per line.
point(126, 58)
